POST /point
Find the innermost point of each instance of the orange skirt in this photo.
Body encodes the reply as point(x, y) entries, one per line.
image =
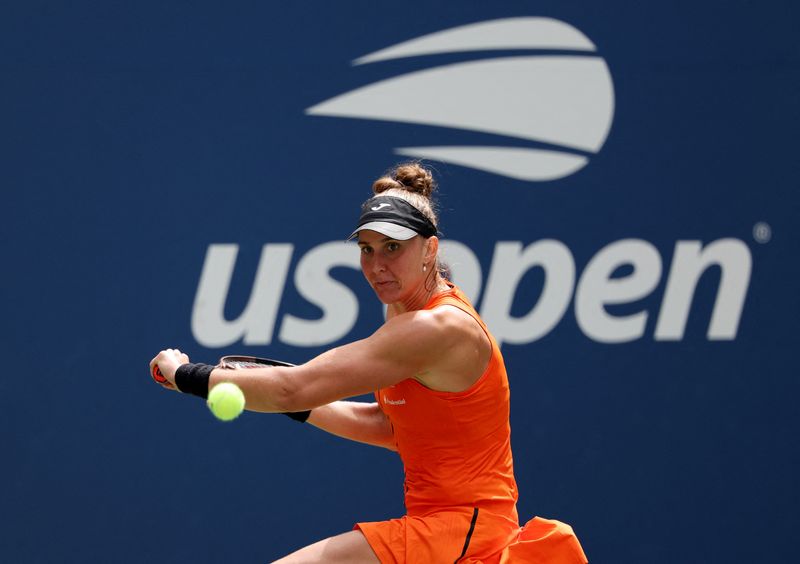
point(472, 536)
point(544, 541)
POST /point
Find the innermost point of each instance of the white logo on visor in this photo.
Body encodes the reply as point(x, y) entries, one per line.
point(543, 115)
point(380, 207)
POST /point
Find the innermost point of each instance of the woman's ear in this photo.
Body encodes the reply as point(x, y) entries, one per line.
point(432, 249)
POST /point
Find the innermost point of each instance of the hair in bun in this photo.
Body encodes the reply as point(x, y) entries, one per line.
point(412, 182)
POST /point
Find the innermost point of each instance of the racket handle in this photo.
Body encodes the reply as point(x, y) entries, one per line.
point(157, 375)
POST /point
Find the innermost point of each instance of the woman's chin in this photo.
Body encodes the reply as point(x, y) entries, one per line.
point(386, 293)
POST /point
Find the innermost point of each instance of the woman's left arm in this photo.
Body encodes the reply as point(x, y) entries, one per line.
point(355, 420)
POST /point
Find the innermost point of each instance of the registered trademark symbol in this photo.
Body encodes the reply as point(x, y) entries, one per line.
point(762, 232)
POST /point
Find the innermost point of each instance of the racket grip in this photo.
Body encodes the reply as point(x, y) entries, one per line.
point(157, 375)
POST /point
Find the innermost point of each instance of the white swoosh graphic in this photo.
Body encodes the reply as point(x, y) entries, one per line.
point(516, 162)
point(510, 33)
point(379, 207)
point(562, 100)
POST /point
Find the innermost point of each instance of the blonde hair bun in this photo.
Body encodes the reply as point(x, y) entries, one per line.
point(411, 176)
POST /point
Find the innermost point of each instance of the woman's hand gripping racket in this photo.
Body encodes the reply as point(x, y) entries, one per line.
point(171, 356)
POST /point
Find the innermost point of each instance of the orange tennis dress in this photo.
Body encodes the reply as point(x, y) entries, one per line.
point(460, 492)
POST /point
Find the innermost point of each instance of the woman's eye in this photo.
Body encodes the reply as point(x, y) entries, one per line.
point(392, 246)
point(366, 250)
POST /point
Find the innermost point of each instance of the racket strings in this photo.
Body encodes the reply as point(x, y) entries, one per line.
point(235, 361)
point(242, 364)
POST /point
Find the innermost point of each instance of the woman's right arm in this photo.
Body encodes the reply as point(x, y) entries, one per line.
point(355, 420)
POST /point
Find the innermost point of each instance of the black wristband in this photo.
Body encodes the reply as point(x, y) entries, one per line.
point(301, 416)
point(193, 379)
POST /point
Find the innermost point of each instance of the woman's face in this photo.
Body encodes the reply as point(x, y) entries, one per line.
point(394, 268)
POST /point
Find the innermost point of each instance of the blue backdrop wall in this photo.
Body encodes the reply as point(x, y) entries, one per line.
point(618, 195)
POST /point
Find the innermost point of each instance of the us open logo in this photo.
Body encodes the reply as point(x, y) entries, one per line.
point(546, 114)
point(549, 112)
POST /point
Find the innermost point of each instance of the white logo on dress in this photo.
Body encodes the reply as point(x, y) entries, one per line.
point(394, 402)
point(564, 103)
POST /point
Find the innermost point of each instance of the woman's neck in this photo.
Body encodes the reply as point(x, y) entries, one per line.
point(419, 299)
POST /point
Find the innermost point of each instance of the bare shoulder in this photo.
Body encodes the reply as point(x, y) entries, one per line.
point(452, 322)
point(450, 346)
point(443, 324)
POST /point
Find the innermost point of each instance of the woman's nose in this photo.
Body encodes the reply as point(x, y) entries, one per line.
point(378, 265)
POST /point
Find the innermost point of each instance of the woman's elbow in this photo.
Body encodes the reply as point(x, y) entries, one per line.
point(289, 401)
point(286, 396)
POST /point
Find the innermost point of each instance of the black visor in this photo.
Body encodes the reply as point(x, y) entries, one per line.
point(393, 217)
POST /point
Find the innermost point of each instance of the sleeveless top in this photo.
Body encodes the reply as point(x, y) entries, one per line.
point(455, 446)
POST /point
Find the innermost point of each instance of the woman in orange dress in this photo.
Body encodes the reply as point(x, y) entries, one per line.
point(442, 402)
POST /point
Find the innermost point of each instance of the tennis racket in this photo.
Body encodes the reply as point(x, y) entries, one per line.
point(157, 376)
point(234, 362)
point(231, 361)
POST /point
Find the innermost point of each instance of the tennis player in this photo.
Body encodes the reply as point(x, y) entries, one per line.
point(442, 402)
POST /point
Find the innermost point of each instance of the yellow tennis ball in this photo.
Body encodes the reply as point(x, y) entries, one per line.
point(226, 401)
